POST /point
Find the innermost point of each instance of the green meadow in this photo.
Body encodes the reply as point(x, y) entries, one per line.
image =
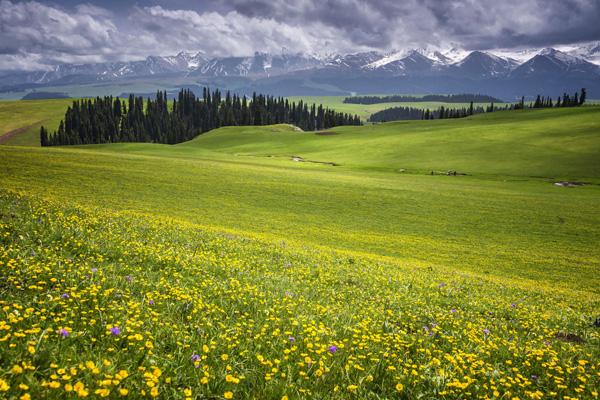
point(268, 233)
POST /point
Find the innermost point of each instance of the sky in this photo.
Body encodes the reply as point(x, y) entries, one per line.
point(36, 34)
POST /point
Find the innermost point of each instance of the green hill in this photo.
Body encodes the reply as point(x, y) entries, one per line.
point(20, 121)
point(560, 143)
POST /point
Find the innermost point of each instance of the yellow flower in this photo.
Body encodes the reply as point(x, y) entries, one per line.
point(232, 379)
point(187, 392)
point(3, 386)
point(54, 384)
point(102, 392)
point(205, 348)
point(399, 387)
point(154, 392)
point(228, 395)
point(123, 391)
point(284, 397)
point(122, 374)
point(16, 369)
point(352, 388)
point(26, 396)
point(204, 380)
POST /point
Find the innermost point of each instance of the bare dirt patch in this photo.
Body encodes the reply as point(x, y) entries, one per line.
point(569, 184)
point(301, 159)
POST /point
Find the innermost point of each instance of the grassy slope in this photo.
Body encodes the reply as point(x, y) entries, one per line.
point(267, 321)
point(31, 114)
point(548, 143)
point(514, 228)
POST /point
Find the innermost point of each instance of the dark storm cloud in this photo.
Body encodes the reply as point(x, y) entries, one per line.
point(482, 24)
point(33, 33)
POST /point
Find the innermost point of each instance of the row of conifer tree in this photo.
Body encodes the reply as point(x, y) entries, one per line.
point(412, 113)
point(450, 98)
point(111, 119)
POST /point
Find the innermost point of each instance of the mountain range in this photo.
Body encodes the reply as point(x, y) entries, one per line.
point(503, 74)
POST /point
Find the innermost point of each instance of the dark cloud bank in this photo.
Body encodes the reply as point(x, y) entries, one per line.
point(36, 34)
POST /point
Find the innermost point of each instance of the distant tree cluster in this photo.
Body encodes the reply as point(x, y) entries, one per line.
point(398, 113)
point(566, 100)
point(109, 120)
point(411, 113)
point(452, 98)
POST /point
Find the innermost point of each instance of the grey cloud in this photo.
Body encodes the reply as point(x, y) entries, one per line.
point(47, 33)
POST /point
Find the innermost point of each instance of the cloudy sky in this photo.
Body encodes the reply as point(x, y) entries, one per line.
point(34, 34)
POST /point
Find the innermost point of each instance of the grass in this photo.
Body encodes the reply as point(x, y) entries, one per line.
point(483, 285)
point(29, 115)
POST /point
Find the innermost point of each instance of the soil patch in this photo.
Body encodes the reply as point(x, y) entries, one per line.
point(300, 159)
point(569, 184)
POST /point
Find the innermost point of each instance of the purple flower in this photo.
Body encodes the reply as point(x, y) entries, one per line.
point(486, 331)
point(534, 377)
point(64, 296)
point(129, 278)
point(195, 357)
point(332, 349)
point(453, 310)
point(63, 332)
point(292, 339)
point(513, 305)
point(94, 270)
point(115, 331)
point(151, 302)
point(441, 285)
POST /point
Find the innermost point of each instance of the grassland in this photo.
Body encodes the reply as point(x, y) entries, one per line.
point(231, 270)
point(27, 116)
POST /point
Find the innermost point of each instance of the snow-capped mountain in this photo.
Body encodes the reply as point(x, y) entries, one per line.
point(479, 64)
point(552, 62)
point(260, 64)
point(588, 51)
point(354, 61)
point(498, 72)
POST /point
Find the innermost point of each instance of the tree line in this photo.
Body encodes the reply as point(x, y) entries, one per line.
point(112, 119)
point(412, 113)
point(452, 98)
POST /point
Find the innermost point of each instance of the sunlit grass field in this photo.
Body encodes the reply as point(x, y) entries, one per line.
point(28, 116)
point(222, 268)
